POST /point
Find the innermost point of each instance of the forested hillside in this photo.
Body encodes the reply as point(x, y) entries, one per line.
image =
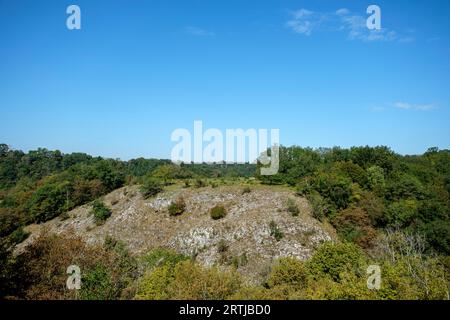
point(388, 209)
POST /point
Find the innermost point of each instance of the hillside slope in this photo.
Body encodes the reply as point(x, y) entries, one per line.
point(242, 238)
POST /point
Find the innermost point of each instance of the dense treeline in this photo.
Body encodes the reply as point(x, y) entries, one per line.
point(42, 184)
point(363, 189)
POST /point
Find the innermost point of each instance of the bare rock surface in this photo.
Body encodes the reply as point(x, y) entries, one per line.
point(243, 237)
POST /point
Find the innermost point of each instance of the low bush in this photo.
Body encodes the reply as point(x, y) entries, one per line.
point(100, 211)
point(160, 257)
point(332, 259)
point(177, 207)
point(292, 208)
point(218, 212)
point(275, 231)
point(288, 271)
point(188, 281)
point(151, 187)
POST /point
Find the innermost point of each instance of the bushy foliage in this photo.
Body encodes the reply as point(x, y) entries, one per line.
point(100, 212)
point(292, 208)
point(332, 259)
point(354, 225)
point(246, 190)
point(177, 207)
point(275, 231)
point(218, 212)
point(160, 257)
point(151, 187)
point(288, 272)
point(40, 271)
point(188, 281)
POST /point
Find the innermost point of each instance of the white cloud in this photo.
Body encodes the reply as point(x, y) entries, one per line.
point(195, 31)
point(342, 12)
point(409, 106)
point(304, 22)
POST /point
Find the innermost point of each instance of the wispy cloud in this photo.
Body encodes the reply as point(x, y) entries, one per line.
point(199, 32)
point(409, 106)
point(305, 21)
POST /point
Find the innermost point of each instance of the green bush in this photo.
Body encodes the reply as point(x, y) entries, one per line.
point(218, 212)
point(319, 206)
point(177, 207)
point(332, 259)
point(97, 284)
point(155, 284)
point(188, 281)
point(194, 282)
point(19, 235)
point(49, 201)
point(199, 183)
point(401, 213)
point(437, 234)
point(246, 190)
point(160, 257)
point(275, 231)
point(288, 271)
point(222, 246)
point(376, 180)
point(335, 189)
point(151, 187)
point(100, 211)
point(239, 261)
point(292, 208)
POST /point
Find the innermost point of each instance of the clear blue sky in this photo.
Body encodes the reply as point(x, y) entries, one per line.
point(138, 69)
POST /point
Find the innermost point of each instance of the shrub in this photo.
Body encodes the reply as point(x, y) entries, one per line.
point(239, 261)
point(97, 284)
point(218, 212)
point(246, 190)
point(304, 188)
point(214, 185)
point(375, 178)
point(354, 225)
point(48, 201)
point(275, 231)
point(177, 207)
point(154, 285)
point(42, 270)
point(288, 271)
point(193, 282)
point(331, 259)
point(19, 235)
point(151, 187)
point(100, 211)
point(405, 186)
point(222, 246)
point(199, 183)
point(401, 213)
point(292, 208)
point(438, 235)
point(319, 206)
point(162, 257)
point(336, 189)
point(188, 281)
point(373, 206)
